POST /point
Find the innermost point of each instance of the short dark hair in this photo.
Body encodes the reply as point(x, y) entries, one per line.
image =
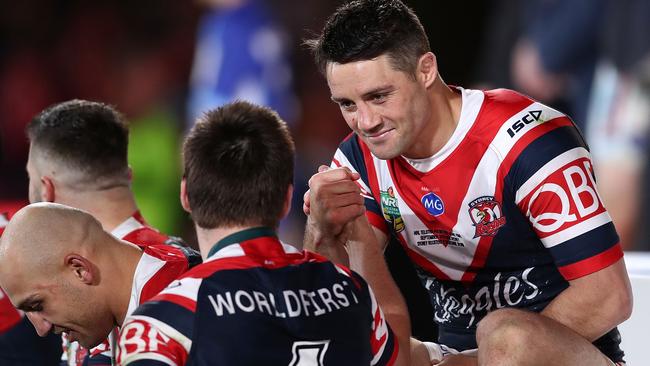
point(238, 165)
point(90, 137)
point(365, 29)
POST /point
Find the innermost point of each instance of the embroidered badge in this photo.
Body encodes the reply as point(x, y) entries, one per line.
point(390, 209)
point(486, 214)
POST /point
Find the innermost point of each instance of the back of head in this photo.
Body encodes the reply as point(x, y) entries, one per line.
point(238, 162)
point(86, 137)
point(38, 236)
point(365, 29)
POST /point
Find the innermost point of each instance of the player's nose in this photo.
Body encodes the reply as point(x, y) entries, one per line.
point(43, 327)
point(367, 119)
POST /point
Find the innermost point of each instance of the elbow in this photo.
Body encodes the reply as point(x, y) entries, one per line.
point(620, 305)
point(626, 305)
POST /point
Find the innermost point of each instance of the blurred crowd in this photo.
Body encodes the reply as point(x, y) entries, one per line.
point(163, 62)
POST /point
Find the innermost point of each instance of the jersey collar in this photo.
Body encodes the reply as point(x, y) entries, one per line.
point(241, 236)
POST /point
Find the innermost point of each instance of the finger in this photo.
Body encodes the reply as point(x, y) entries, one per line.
point(328, 190)
point(305, 198)
point(323, 168)
point(343, 215)
point(344, 199)
point(333, 175)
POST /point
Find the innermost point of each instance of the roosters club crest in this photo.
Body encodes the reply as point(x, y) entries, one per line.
point(487, 216)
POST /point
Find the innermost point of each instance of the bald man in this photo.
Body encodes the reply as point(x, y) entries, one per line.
point(69, 275)
point(19, 343)
point(78, 157)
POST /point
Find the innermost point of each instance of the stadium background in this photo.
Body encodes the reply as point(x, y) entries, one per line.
point(138, 56)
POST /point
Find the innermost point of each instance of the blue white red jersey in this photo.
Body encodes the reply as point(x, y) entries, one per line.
point(504, 215)
point(163, 260)
point(257, 301)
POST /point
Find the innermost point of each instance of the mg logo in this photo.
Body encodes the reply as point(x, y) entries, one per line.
point(433, 204)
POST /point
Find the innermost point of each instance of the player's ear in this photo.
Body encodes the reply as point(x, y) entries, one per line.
point(185, 202)
point(287, 201)
point(48, 191)
point(130, 173)
point(427, 70)
point(82, 268)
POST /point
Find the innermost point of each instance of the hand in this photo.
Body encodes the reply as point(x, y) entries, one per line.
point(333, 200)
point(305, 197)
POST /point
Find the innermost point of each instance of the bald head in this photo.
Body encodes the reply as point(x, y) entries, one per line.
point(40, 235)
point(52, 261)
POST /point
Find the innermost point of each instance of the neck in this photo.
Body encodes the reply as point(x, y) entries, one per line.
point(444, 117)
point(111, 206)
point(207, 238)
point(123, 258)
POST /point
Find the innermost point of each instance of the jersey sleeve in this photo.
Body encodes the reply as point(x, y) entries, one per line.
point(383, 343)
point(355, 156)
point(159, 332)
point(552, 179)
point(100, 355)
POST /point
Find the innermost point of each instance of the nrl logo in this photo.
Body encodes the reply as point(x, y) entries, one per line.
point(391, 210)
point(486, 215)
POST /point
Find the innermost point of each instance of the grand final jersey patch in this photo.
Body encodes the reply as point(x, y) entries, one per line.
point(390, 209)
point(487, 216)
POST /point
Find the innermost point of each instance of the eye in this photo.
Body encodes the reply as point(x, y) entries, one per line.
point(347, 106)
point(379, 98)
point(33, 307)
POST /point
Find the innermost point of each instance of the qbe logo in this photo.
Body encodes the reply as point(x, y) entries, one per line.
point(433, 204)
point(566, 197)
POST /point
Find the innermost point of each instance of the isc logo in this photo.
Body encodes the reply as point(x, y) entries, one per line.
point(519, 124)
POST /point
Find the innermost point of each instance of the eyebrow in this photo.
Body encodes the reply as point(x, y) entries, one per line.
point(368, 94)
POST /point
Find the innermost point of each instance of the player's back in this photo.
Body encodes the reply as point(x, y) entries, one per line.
point(262, 302)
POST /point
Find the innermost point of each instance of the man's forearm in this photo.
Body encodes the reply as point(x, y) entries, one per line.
point(329, 246)
point(367, 258)
point(594, 304)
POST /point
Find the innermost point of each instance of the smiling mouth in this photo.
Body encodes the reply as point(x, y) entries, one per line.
point(378, 135)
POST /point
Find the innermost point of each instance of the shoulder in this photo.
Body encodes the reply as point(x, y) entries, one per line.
point(513, 122)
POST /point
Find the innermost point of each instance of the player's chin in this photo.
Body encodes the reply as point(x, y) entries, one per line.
point(89, 342)
point(384, 152)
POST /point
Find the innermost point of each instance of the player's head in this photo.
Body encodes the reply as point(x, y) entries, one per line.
point(375, 56)
point(79, 146)
point(47, 270)
point(366, 29)
point(238, 167)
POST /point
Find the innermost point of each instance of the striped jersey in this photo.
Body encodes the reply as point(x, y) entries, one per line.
point(504, 215)
point(258, 301)
point(164, 259)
